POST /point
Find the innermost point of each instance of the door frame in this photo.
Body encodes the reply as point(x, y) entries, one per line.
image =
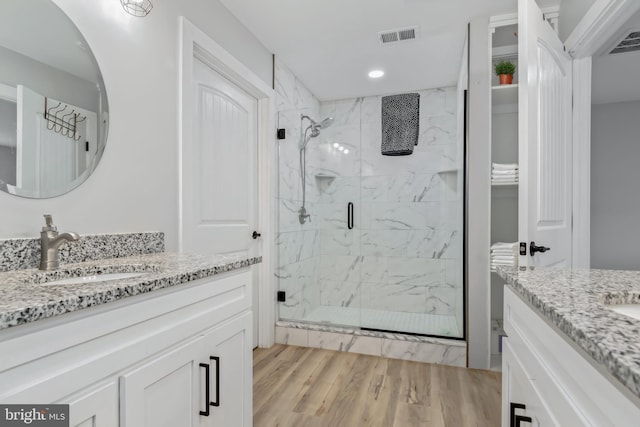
point(600, 23)
point(194, 43)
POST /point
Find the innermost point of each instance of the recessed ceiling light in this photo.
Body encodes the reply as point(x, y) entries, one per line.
point(376, 74)
point(336, 145)
point(346, 151)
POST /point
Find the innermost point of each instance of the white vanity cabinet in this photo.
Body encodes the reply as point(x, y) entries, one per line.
point(143, 360)
point(548, 380)
point(199, 383)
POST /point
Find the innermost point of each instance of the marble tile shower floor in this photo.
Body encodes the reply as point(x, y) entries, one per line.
point(397, 321)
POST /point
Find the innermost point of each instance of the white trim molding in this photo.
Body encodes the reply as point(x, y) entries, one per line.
point(194, 43)
point(581, 162)
point(598, 25)
point(502, 21)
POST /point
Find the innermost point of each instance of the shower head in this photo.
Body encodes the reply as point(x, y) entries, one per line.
point(315, 128)
point(326, 123)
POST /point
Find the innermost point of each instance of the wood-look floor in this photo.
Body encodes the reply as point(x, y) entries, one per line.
point(306, 387)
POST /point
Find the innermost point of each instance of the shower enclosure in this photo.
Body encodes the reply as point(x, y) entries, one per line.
point(364, 240)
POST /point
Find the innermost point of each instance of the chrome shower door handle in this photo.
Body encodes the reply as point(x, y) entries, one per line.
point(350, 215)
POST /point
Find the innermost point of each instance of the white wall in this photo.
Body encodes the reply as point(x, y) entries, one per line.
point(135, 186)
point(615, 195)
point(571, 12)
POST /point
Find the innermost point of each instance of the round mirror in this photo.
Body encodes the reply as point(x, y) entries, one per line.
point(53, 104)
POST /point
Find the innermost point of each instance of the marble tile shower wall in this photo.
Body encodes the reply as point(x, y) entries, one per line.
point(297, 245)
point(405, 250)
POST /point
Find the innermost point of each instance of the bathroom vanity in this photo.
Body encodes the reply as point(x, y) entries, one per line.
point(570, 359)
point(168, 347)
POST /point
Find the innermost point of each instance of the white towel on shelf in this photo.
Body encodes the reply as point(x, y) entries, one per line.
point(503, 248)
point(503, 245)
point(502, 253)
point(504, 173)
point(504, 166)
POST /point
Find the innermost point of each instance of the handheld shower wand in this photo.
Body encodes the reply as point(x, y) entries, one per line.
point(312, 131)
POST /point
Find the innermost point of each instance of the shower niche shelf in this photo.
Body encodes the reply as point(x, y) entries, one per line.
point(323, 182)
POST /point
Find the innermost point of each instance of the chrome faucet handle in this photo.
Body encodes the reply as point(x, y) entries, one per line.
point(48, 219)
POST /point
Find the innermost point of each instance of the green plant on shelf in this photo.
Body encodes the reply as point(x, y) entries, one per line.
point(505, 67)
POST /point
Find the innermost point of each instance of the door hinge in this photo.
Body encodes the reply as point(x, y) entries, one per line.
point(282, 133)
point(86, 146)
point(282, 296)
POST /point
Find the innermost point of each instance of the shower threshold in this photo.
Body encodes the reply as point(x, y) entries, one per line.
point(395, 322)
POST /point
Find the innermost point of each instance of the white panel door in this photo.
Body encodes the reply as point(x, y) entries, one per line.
point(219, 177)
point(545, 120)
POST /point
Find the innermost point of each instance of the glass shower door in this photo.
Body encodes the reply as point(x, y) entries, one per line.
point(411, 223)
point(334, 188)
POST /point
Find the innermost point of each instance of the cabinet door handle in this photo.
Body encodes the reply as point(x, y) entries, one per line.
point(350, 215)
point(522, 419)
point(512, 412)
point(217, 402)
point(206, 389)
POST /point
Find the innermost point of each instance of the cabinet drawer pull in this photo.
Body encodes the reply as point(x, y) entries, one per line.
point(206, 389)
point(217, 360)
point(512, 412)
point(522, 419)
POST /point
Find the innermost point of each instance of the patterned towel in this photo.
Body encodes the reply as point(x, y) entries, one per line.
point(400, 124)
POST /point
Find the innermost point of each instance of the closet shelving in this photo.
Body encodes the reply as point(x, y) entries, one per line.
point(504, 150)
point(504, 95)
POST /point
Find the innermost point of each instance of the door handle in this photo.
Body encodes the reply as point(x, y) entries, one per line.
point(217, 360)
point(207, 396)
point(522, 419)
point(350, 215)
point(255, 235)
point(533, 249)
point(512, 412)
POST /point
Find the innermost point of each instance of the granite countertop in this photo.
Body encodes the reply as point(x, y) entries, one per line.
point(574, 301)
point(23, 299)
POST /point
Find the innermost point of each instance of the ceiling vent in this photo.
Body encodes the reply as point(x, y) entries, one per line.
point(398, 35)
point(628, 44)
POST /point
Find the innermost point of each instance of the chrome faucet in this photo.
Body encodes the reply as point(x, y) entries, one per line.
point(50, 241)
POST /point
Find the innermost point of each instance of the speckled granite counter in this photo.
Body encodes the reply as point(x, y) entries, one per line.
point(574, 301)
point(22, 300)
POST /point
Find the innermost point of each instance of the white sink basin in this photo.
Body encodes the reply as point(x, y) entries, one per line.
point(631, 310)
point(94, 278)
